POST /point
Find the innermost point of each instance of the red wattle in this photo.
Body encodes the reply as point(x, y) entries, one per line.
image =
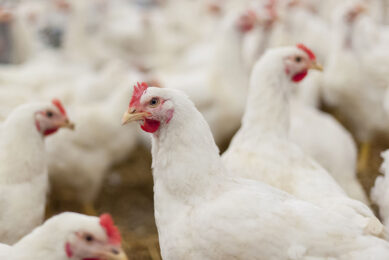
point(38, 127)
point(246, 27)
point(68, 250)
point(150, 125)
point(50, 131)
point(300, 76)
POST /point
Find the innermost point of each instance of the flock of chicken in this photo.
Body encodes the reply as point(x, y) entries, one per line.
point(286, 187)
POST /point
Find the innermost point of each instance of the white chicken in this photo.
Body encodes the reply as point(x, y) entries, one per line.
point(5, 35)
point(379, 193)
point(323, 138)
point(69, 236)
point(82, 159)
point(23, 168)
point(201, 213)
point(292, 27)
point(95, 96)
point(223, 79)
point(262, 149)
point(17, 42)
point(355, 80)
point(317, 133)
point(83, 41)
point(258, 39)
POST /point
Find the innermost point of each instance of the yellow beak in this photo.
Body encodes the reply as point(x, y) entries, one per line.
point(115, 253)
point(119, 256)
point(68, 124)
point(316, 66)
point(133, 116)
point(359, 9)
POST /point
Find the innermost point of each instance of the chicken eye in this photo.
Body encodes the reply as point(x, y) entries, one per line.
point(89, 238)
point(298, 59)
point(154, 102)
point(49, 114)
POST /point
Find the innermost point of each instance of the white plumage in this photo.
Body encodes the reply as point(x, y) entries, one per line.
point(222, 78)
point(355, 79)
point(203, 214)
point(261, 150)
point(294, 28)
point(380, 191)
point(23, 173)
point(88, 53)
point(78, 161)
point(323, 138)
point(57, 238)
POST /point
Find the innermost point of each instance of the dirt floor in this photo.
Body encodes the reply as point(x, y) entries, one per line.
point(367, 177)
point(128, 195)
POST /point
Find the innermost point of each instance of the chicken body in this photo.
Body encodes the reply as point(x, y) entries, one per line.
point(203, 214)
point(323, 138)
point(379, 192)
point(56, 237)
point(262, 149)
point(294, 28)
point(23, 174)
point(220, 80)
point(355, 80)
point(82, 159)
point(315, 132)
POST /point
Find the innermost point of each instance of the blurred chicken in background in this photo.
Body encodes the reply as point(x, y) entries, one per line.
point(89, 53)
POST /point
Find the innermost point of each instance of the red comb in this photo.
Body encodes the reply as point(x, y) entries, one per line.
point(139, 88)
point(59, 105)
point(112, 231)
point(272, 7)
point(310, 53)
point(270, 4)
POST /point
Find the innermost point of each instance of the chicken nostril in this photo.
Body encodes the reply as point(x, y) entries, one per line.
point(115, 251)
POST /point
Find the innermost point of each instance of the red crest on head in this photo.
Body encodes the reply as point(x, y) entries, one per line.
point(271, 4)
point(59, 105)
point(112, 231)
point(308, 51)
point(272, 7)
point(139, 88)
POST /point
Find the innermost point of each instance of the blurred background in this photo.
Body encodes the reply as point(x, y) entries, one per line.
point(89, 54)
